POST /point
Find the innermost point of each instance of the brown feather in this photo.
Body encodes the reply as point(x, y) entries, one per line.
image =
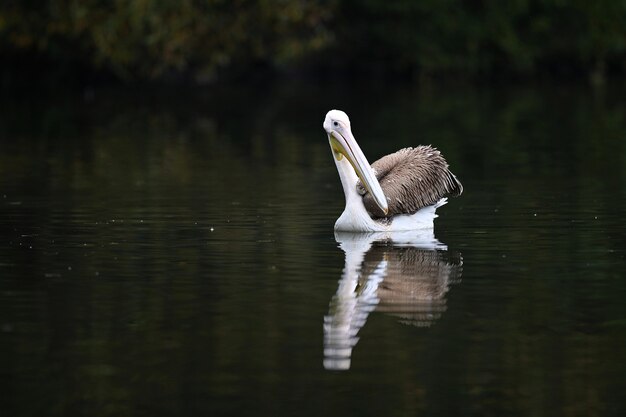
point(411, 178)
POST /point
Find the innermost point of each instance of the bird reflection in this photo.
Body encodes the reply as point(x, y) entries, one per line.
point(404, 274)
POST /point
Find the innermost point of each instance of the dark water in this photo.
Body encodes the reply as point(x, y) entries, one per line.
point(173, 253)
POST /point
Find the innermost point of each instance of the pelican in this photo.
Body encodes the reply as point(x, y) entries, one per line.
point(400, 191)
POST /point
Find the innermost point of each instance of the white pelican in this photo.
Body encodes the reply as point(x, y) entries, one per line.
point(400, 191)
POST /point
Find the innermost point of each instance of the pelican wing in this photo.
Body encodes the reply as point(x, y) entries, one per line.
point(411, 178)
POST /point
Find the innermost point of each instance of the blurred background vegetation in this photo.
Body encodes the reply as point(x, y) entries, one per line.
point(206, 41)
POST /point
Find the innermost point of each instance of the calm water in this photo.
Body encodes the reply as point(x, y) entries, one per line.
point(173, 254)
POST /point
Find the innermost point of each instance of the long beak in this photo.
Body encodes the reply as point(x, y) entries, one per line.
point(347, 146)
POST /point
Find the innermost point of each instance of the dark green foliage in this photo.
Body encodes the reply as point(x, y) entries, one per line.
point(488, 36)
point(203, 39)
point(150, 38)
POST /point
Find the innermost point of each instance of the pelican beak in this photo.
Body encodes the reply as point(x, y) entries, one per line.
point(345, 145)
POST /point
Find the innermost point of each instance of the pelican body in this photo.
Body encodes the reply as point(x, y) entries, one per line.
point(399, 192)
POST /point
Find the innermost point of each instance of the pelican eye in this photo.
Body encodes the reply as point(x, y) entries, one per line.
point(335, 124)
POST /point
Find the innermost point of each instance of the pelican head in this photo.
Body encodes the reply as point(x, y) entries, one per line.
point(343, 144)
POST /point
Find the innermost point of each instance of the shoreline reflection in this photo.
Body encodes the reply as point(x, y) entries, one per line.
point(404, 274)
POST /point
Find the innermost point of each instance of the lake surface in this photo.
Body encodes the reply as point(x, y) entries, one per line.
point(172, 253)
